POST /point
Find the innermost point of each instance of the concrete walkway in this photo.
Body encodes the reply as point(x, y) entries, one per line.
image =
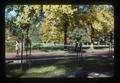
point(38, 53)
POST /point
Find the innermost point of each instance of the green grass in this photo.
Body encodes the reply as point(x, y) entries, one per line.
point(61, 47)
point(47, 71)
point(55, 68)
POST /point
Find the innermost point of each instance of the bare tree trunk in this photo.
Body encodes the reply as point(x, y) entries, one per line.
point(110, 44)
point(30, 55)
point(65, 34)
point(92, 37)
point(22, 52)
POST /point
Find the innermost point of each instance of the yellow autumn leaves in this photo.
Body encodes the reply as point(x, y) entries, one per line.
point(100, 17)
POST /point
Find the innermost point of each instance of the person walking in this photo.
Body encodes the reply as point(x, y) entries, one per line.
point(17, 47)
point(76, 45)
point(77, 48)
point(80, 48)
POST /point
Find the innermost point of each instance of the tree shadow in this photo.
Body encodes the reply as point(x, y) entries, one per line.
point(15, 70)
point(88, 64)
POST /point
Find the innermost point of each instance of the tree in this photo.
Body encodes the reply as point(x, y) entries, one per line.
point(59, 16)
point(95, 19)
point(50, 33)
point(10, 16)
point(25, 16)
point(99, 18)
point(81, 35)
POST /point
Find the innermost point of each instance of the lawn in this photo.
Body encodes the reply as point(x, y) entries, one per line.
point(55, 68)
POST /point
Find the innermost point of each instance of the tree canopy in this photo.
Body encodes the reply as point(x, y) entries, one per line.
point(57, 23)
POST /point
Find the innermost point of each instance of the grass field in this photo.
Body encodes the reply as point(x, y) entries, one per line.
point(54, 68)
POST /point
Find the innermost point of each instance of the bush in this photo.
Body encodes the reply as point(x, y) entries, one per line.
point(96, 46)
point(52, 48)
point(100, 47)
point(10, 45)
point(36, 46)
point(61, 47)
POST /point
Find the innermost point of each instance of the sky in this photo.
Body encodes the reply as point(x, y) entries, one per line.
point(10, 14)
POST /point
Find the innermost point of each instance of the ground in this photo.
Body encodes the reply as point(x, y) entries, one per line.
point(98, 63)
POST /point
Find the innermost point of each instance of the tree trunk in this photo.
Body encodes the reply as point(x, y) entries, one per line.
point(22, 52)
point(92, 37)
point(65, 35)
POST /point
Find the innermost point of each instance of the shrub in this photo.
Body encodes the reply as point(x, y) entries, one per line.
point(10, 45)
point(36, 46)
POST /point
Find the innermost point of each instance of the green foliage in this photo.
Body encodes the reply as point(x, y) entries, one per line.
point(53, 48)
point(81, 35)
point(27, 13)
point(56, 16)
point(59, 18)
point(10, 45)
point(41, 47)
point(50, 34)
point(36, 46)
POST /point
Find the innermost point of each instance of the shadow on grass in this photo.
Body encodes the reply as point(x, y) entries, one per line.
point(14, 70)
point(51, 68)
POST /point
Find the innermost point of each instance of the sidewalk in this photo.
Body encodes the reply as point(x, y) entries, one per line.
point(39, 54)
